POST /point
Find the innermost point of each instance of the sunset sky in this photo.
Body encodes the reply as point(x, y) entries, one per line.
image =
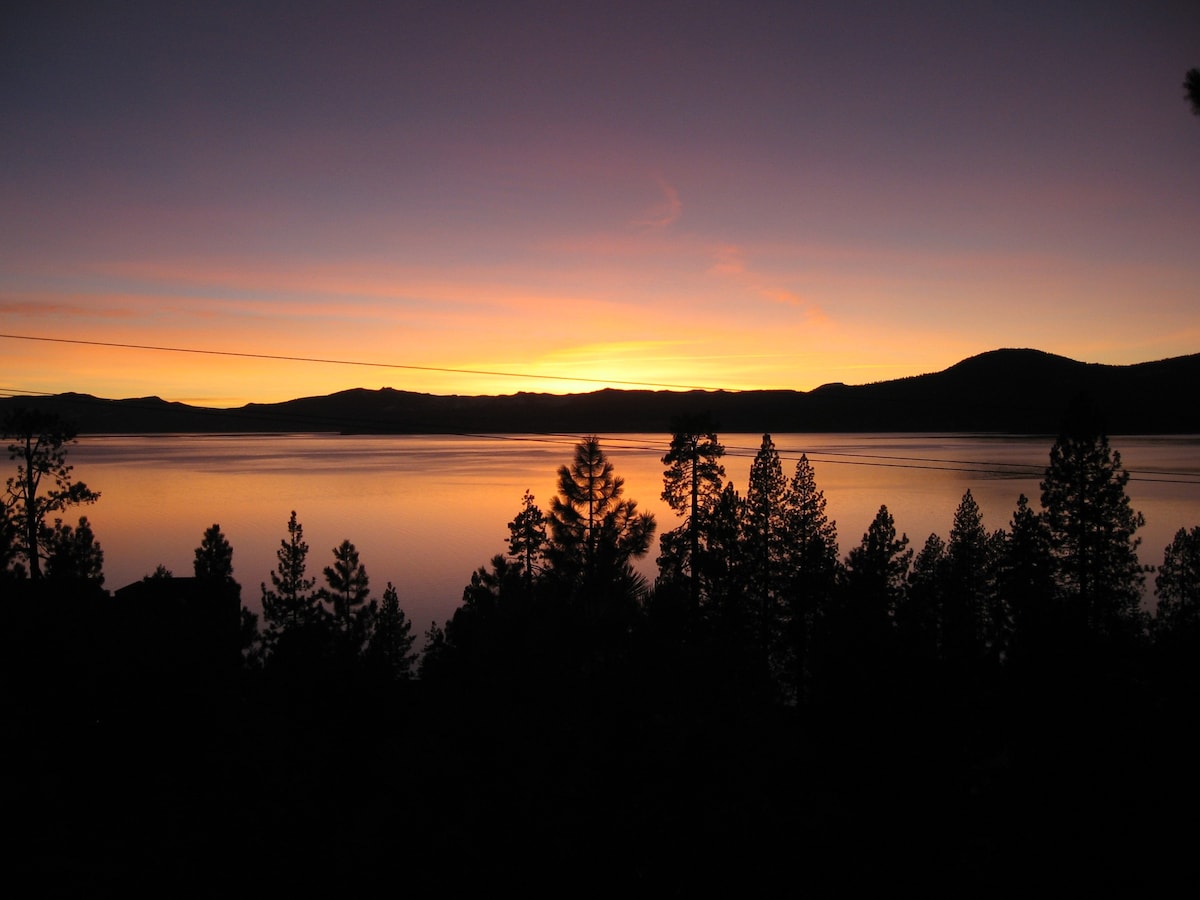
point(711, 194)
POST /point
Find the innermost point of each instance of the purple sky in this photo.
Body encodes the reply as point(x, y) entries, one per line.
point(716, 194)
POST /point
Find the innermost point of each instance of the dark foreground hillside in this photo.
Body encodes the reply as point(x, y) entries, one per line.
point(573, 773)
point(997, 711)
point(1011, 391)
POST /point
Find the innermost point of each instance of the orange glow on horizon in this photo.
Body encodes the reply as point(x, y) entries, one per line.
point(212, 379)
point(723, 201)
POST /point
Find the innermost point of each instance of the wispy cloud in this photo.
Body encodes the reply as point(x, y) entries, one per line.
point(61, 305)
point(665, 212)
point(728, 261)
point(813, 312)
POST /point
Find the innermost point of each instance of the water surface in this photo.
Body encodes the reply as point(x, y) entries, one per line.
point(424, 511)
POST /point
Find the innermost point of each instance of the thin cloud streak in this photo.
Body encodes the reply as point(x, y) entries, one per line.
point(729, 263)
point(664, 213)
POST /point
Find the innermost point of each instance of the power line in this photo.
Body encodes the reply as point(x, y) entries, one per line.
point(869, 460)
point(936, 464)
point(351, 362)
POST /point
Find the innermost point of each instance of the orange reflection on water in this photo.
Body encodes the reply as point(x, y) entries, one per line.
point(425, 511)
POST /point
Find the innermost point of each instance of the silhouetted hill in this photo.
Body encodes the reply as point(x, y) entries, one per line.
point(1012, 391)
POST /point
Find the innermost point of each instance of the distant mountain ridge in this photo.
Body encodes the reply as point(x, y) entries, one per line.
point(1006, 391)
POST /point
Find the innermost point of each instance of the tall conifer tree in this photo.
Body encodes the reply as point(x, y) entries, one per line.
point(692, 485)
point(391, 641)
point(214, 558)
point(811, 555)
point(876, 571)
point(1026, 580)
point(595, 531)
point(1092, 531)
point(42, 486)
point(347, 587)
point(290, 602)
point(527, 538)
point(967, 586)
point(1177, 585)
point(764, 540)
point(74, 552)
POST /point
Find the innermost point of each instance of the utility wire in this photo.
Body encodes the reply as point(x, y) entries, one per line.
point(352, 362)
point(870, 460)
point(982, 467)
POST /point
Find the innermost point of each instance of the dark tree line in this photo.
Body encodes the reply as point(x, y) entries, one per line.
point(337, 624)
point(760, 573)
point(761, 576)
point(766, 698)
point(970, 680)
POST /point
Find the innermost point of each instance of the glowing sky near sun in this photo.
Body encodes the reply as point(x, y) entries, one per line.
point(735, 195)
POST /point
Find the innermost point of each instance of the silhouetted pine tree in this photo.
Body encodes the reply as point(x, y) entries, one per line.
point(997, 613)
point(213, 564)
point(692, 483)
point(74, 553)
point(919, 610)
point(1026, 583)
point(1177, 585)
point(291, 601)
point(42, 486)
point(434, 661)
point(764, 545)
point(390, 649)
point(527, 539)
point(214, 557)
point(595, 533)
point(348, 592)
point(1092, 528)
point(811, 561)
point(8, 544)
point(967, 596)
point(722, 576)
point(872, 588)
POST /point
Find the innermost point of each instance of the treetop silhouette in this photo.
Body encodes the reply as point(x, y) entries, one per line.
point(42, 486)
point(595, 531)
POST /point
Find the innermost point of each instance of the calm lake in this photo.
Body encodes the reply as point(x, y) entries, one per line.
point(425, 511)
